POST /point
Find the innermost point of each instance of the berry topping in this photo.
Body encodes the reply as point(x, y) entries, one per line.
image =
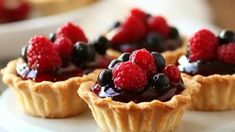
point(202, 46)
point(174, 33)
point(73, 32)
point(101, 45)
point(172, 72)
point(41, 54)
point(139, 13)
point(127, 31)
point(64, 47)
point(226, 36)
point(105, 77)
point(82, 53)
point(129, 76)
point(160, 81)
point(113, 63)
point(159, 60)
point(52, 37)
point(154, 41)
point(145, 60)
point(226, 53)
point(158, 24)
point(24, 53)
point(124, 57)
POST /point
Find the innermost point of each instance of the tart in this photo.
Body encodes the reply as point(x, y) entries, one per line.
point(135, 95)
point(211, 62)
point(142, 30)
point(47, 76)
point(50, 7)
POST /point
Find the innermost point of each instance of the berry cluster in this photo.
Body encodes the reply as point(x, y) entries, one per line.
point(139, 70)
point(141, 30)
point(68, 44)
point(16, 13)
point(205, 46)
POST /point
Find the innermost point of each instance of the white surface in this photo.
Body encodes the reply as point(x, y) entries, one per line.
point(12, 119)
point(187, 15)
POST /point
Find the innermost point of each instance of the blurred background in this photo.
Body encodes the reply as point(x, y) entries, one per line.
point(22, 19)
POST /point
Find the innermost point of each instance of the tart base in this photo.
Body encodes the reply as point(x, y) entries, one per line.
point(47, 99)
point(114, 116)
point(217, 92)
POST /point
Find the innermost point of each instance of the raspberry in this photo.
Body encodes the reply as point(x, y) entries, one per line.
point(132, 29)
point(18, 13)
point(172, 73)
point(64, 47)
point(129, 76)
point(226, 53)
point(73, 32)
point(202, 46)
point(145, 60)
point(41, 54)
point(159, 24)
point(139, 13)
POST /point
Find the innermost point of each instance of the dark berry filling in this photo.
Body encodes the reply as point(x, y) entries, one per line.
point(205, 67)
point(147, 94)
point(59, 75)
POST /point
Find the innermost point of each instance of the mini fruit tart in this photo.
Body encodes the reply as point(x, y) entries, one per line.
point(47, 76)
point(211, 62)
point(139, 93)
point(142, 30)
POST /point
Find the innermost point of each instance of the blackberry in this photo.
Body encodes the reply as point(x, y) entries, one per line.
point(105, 77)
point(159, 60)
point(160, 82)
point(124, 57)
point(101, 45)
point(226, 36)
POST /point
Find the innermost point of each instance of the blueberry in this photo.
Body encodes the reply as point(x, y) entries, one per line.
point(82, 53)
point(226, 36)
point(160, 82)
point(128, 47)
point(105, 77)
point(154, 41)
point(52, 37)
point(24, 53)
point(113, 63)
point(124, 57)
point(159, 60)
point(174, 33)
point(101, 45)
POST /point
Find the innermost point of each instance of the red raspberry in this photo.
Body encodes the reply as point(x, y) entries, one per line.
point(64, 47)
point(172, 73)
point(145, 60)
point(129, 76)
point(41, 54)
point(73, 32)
point(202, 45)
point(132, 29)
point(159, 24)
point(226, 53)
point(140, 14)
point(18, 13)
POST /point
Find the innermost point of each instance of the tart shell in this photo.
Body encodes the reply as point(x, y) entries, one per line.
point(47, 99)
point(217, 92)
point(114, 116)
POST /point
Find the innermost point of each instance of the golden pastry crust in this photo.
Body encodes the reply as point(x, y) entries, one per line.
point(216, 92)
point(47, 99)
point(171, 57)
point(114, 116)
point(50, 7)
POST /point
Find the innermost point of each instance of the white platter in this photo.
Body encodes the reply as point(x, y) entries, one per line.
point(13, 119)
